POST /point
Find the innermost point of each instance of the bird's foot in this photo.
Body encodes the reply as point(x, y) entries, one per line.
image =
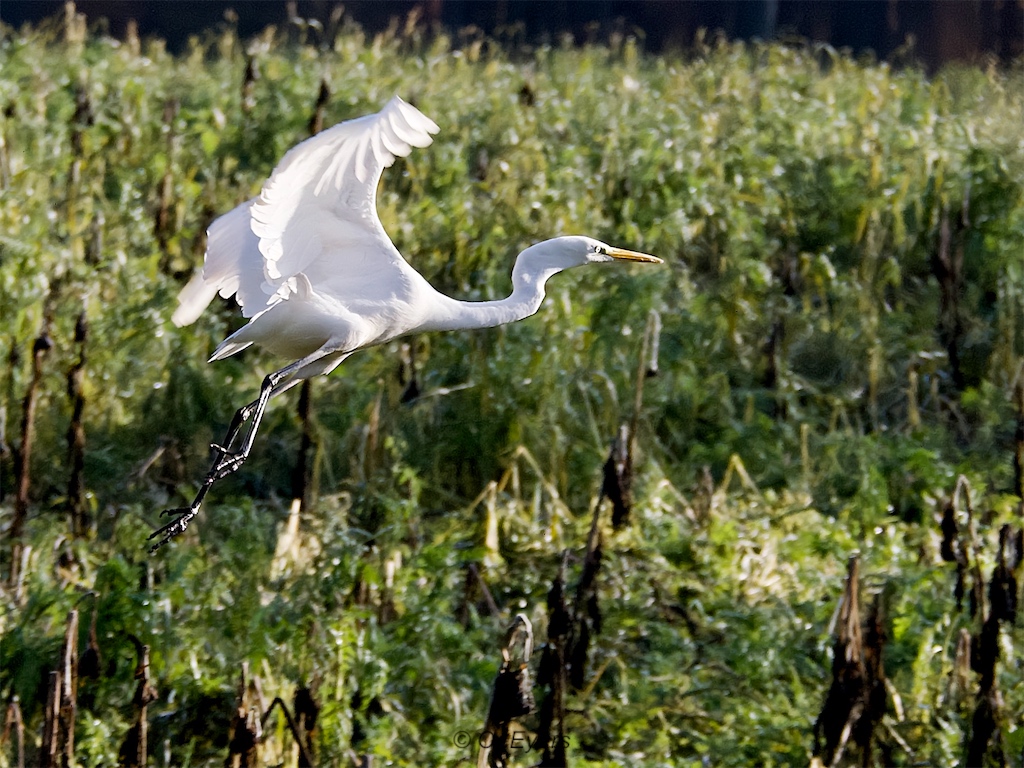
point(175, 527)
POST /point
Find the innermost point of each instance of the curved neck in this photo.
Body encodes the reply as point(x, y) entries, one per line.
point(526, 298)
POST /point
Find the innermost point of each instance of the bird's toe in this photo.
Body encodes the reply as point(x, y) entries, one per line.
point(173, 528)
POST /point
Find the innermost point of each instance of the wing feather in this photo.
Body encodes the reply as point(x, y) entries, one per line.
point(316, 215)
point(320, 202)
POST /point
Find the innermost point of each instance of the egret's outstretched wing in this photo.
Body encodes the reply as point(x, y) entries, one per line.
point(315, 215)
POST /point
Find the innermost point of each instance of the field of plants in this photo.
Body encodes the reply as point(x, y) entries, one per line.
point(759, 506)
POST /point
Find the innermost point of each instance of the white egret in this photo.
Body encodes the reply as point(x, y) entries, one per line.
point(318, 277)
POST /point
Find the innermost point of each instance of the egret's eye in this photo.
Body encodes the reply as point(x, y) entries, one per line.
point(600, 249)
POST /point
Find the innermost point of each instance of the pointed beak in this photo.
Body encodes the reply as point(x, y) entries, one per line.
point(623, 255)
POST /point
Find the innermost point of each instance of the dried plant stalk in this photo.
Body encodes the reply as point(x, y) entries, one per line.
point(58, 747)
point(80, 523)
point(134, 749)
point(43, 344)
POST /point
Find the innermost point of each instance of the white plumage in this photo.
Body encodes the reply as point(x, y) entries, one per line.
point(314, 223)
point(318, 277)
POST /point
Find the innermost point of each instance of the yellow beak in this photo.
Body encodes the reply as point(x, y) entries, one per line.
point(624, 255)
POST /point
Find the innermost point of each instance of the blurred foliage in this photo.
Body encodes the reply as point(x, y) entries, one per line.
point(798, 196)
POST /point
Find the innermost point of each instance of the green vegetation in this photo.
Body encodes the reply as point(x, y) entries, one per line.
point(841, 335)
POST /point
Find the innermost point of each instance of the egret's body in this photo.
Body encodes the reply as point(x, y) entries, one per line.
point(318, 277)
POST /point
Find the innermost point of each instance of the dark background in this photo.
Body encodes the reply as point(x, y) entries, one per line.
point(943, 30)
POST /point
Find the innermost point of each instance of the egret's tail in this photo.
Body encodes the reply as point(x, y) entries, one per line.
point(233, 265)
point(227, 348)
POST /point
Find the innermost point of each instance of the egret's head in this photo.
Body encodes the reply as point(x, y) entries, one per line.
point(551, 256)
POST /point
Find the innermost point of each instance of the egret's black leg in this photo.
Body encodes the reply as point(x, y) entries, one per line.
point(226, 461)
point(240, 417)
point(185, 514)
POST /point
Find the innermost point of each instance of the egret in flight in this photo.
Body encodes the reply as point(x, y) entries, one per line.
point(318, 277)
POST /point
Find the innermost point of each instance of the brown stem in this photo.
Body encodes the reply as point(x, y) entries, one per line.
point(5, 152)
point(51, 718)
point(618, 469)
point(134, 749)
point(69, 687)
point(58, 747)
point(1018, 451)
point(246, 728)
point(511, 695)
point(80, 120)
point(76, 436)
point(94, 247)
point(23, 458)
point(252, 74)
point(586, 610)
point(978, 580)
point(843, 704)
point(14, 720)
point(552, 673)
point(947, 267)
point(316, 122)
